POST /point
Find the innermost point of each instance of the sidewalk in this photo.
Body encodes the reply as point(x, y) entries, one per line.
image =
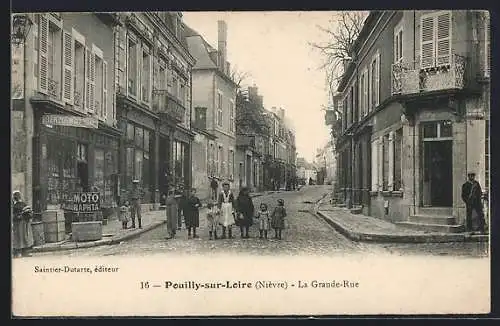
point(360, 227)
point(114, 234)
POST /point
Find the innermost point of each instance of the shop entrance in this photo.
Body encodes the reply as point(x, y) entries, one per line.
point(437, 159)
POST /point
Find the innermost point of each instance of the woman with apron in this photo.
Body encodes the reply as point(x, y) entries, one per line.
point(226, 206)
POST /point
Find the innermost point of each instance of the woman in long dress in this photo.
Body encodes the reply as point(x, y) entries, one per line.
point(226, 206)
point(192, 213)
point(22, 216)
point(245, 210)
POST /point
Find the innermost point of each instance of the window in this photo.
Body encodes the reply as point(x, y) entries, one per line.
point(182, 93)
point(221, 161)
point(355, 114)
point(231, 116)
point(121, 57)
point(138, 152)
point(79, 75)
point(146, 75)
point(398, 44)
point(54, 56)
point(132, 66)
point(435, 39)
point(398, 145)
point(160, 75)
point(374, 88)
point(437, 130)
point(216, 163)
point(385, 162)
point(99, 85)
point(375, 165)
point(219, 109)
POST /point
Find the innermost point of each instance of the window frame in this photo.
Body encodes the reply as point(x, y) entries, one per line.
point(398, 40)
point(220, 111)
point(435, 39)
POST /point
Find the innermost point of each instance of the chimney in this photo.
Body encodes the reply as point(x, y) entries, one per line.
point(282, 114)
point(253, 91)
point(260, 100)
point(222, 43)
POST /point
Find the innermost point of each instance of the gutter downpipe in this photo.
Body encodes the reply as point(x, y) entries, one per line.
point(414, 125)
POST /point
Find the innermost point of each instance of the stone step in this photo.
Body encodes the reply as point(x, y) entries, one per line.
point(433, 219)
point(447, 211)
point(440, 228)
point(356, 210)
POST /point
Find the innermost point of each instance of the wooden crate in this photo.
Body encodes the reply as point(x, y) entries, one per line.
point(86, 231)
point(53, 225)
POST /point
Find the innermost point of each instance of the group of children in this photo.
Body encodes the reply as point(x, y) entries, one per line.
point(266, 220)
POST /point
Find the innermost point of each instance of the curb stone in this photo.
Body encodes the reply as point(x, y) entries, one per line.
point(396, 238)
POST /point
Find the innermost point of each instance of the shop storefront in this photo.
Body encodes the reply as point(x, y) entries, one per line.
point(71, 159)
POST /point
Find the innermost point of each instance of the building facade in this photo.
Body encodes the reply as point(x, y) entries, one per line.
point(68, 72)
point(214, 92)
point(153, 101)
point(415, 115)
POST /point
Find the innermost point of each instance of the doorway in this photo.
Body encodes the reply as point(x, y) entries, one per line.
point(248, 172)
point(437, 159)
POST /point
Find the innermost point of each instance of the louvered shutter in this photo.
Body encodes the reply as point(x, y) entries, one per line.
point(125, 82)
point(443, 39)
point(366, 104)
point(104, 104)
point(87, 104)
point(427, 42)
point(68, 73)
point(43, 49)
point(377, 80)
point(139, 72)
point(487, 27)
point(92, 82)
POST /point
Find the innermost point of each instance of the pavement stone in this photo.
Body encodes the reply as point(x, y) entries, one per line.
point(360, 227)
point(114, 234)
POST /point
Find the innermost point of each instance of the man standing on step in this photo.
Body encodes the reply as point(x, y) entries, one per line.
point(136, 195)
point(471, 195)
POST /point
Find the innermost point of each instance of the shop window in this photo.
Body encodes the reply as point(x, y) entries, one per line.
point(430, 130)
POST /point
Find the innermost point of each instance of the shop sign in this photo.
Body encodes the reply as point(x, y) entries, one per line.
point(70, 121)
point(83, 202)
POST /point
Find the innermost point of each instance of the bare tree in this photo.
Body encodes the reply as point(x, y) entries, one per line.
point(239, 76)
point(343, 31)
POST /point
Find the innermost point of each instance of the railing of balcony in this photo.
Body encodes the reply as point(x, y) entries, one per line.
point(410, 77)
point(164, 103)
point(78, 99)
point(54, 89)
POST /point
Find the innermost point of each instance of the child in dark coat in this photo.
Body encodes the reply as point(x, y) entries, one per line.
point(278, 218)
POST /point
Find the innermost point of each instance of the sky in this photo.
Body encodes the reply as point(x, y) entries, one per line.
point(273, 48)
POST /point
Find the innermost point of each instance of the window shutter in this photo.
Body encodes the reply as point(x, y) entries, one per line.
point(365, 91)
point(87, 105)
point(377, 80)
point(43, 63)
point(487, 40)
point(139, 72)
point(92, 106)
point(68, 73)
point(125, 64)
point(156, 73)
point(427, 42)
point(104, 104)
point(444, 39)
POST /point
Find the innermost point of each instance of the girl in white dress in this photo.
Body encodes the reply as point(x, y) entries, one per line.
point(226, 206)
point(264, 220)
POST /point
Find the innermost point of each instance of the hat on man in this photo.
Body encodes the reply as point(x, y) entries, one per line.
point(471, 173)
point(135, 181)
point(226, 183)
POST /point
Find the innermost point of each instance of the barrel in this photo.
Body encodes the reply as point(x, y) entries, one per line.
point(54, 225)
point(38, 233)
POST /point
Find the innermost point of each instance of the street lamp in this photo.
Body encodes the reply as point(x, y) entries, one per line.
point(21, 25)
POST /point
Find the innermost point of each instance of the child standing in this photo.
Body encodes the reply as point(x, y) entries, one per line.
point(278, 218)
point(263, 216)
point(125, 214)
point(213, 220)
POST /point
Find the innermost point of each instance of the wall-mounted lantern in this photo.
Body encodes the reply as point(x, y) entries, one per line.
point(21, 25)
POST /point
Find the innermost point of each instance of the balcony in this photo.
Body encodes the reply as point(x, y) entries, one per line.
point(165, 104)
point(412, 78)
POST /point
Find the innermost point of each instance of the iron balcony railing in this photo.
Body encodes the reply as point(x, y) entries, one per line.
point(78, 99)
point(54, 89)
point(166, 104)
point(413, 77)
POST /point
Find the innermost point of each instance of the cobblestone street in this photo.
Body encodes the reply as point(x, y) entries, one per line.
point(306, 235)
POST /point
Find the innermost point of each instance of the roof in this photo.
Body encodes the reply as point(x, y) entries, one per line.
point(200, 50)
